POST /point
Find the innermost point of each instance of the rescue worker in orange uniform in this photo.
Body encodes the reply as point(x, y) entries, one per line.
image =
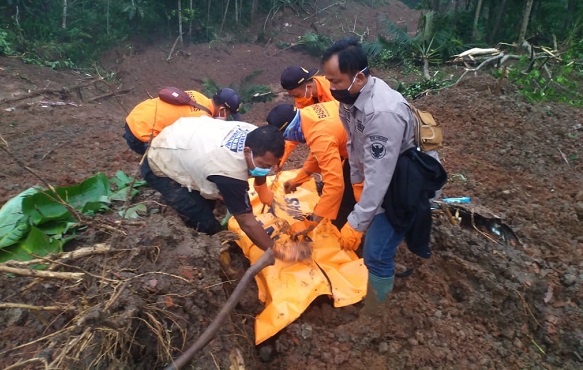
point(149, 117)
point(319, 127)
point(306, 88)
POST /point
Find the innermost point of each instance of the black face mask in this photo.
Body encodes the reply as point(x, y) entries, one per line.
point(345, 96)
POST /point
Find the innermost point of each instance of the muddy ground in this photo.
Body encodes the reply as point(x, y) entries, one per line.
point(478, 303)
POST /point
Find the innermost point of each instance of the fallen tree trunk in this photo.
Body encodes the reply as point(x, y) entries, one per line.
point(63, 90)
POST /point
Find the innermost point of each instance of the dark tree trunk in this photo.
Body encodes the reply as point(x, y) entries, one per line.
point(498, 20)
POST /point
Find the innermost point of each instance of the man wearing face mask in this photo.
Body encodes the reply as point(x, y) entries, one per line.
point(380, 127)
point(319, 127)
point(306, 88)
point(149, 117)
point(196, 161)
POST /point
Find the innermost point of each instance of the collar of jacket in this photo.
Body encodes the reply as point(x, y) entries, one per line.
point(364, 96)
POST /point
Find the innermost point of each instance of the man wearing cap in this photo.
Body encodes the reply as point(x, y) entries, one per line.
point(149, 117)
point(198, 160)
point(306, 88)
point(318, 126)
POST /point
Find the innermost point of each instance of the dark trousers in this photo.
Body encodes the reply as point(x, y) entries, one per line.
point(348, 201)
point(134, 143)
point(196, 211)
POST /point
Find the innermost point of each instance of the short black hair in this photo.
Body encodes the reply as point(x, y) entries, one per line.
point(266, 139)
point(351, 56)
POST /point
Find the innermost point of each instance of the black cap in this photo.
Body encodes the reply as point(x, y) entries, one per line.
point(294, 76)
point(230, 99)
point(281, 115)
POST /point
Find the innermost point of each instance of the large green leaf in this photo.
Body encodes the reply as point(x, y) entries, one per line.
point(36, 244)
point(13, 225)
point(84, 197)
point(17, 233)
point(90, 190)
point(36, 222)
point(56, 228)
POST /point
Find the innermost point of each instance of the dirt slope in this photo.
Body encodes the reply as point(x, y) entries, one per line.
point(477, 303)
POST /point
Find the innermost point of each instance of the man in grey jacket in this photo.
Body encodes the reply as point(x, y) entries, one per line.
point(380, 126)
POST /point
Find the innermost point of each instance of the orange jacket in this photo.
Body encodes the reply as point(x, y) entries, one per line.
point(326, 139)
point(322, 90)
point(152, 115)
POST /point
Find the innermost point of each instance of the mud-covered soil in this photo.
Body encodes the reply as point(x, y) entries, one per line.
point(478, 303)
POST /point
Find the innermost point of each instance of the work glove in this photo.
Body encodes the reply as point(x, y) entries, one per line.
point(357, 190)
point(290, 185)
point(350, 238)
point(302, 228)
point(264, 193)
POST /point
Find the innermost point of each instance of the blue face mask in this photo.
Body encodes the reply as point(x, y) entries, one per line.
point(258, 171)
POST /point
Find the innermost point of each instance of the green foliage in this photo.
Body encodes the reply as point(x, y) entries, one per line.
point(434, 42)
point(6, 43)
point(249, 92)
point(314, 44)
point(543, 81)
point(124, 184)
point(415, 89)
point(36, 222)
point(383, 59)
point(210, 87)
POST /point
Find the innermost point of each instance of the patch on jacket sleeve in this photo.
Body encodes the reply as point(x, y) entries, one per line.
point(235, 140)
point(377, 150)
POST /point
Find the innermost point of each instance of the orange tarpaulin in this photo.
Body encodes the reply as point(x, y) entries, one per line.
point(288, 288)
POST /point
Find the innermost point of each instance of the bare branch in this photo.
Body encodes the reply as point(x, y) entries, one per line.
point(41, 273)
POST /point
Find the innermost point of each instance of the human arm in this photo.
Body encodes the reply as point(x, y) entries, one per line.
point(325, 150)
point(265, 194)
point(253, 229)
point(236, 198)
point(289, 148)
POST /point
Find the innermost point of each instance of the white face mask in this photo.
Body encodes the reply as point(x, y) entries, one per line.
point(221, 117)
point(306, 95)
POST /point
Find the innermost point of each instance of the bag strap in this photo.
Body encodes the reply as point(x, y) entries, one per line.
point(199, 106)
point(417, 123)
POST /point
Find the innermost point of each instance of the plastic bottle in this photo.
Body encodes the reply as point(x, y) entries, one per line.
point(457, 200)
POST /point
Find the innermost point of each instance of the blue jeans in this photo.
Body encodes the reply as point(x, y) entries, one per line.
point(196, 211)
point(380, 245)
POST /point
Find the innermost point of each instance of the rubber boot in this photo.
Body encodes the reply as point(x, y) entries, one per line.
point(378, 289)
